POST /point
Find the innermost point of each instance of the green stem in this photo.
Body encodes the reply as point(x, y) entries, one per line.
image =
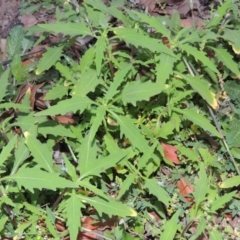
point(71, 151)
point(215, 122)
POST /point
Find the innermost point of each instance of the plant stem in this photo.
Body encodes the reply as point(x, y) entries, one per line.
point(216, 123)
point(224, 142)
point(71, 151)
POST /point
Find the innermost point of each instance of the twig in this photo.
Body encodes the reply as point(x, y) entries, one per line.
point(187, 227)
point(96, 234)
point(23, 57)
point(59, 199)
point(9, 211)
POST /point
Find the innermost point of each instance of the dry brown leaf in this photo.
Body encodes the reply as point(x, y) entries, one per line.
point(60, 226)
point(28, 62)
point(92, 224)
point(3, 7)
point(18, 99)
point(184, 7)
point(155, 216)
point(33, 93)
point(185, 189)
point(65, 119)
point(170, 153)
point(166, 42)
point(28, 20)
point(203, 237)
point(38, 49)
point(189, 22)
point(22, 92)
point(150, 4)
point(87, 236)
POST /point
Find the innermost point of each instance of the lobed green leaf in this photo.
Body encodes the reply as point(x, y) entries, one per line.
point(215, 235)
point(6, 151)
point(232, 36)
point(39, 151)
point(119, 78)
point(100, 165)
point(138, 91)
point(34, 178)
point(201, 186)
point(152, 21)
point(49, 58)
point(171, 227)
point(198, 119)
point(20, 154)
point(164, 68)
point(110, 207)
point(87, 59)
point(100, 50)
point(86, 184)
point(219, 202)
point(4, 84)
point(219, 14)
point(200, 228)
point(14, 41)
point(18, 106)
point(87, 150)
point(74, 104)
point(199, 55)
point(233, 90)
point(17, 68)
point(73, 214)
point(55, 129)
point(155, 189)
point(112, 11)
point(129, 129)
point(231, 182)
point(57, 92)
point(65, 72)
point(87, 83)
point(131, 36)
point(227, 59)
point(125, 186)
point(202, 88)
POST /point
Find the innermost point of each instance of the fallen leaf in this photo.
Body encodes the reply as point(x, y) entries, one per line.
point(28, 62)
point(166, 42)
point(28, 20)
point(65, 119)
point(185, 189)
point(38, 49)
point(170, 153)
point(155, 216)
point(149, 4)
point(189, 23)
point(92, 224)
point(18, 99)
point(33, 93)
point(60, 226)
point(87, 236)
point(228, 216)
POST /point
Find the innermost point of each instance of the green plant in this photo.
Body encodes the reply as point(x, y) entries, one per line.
point(140, 100)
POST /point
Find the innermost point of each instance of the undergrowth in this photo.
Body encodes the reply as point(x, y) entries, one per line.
point(144, 121)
